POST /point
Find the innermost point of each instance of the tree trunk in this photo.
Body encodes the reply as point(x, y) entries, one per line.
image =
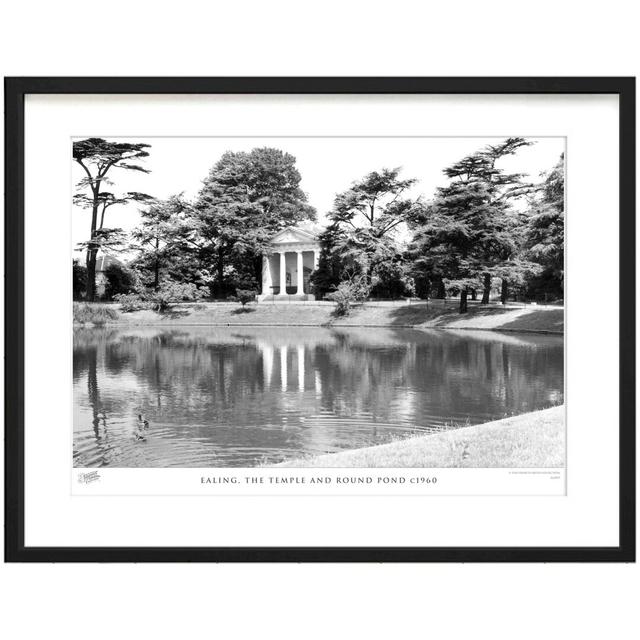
point(442, 294)
point(257, 270)
point(92, 253)
point(91, 275)
point(474, 295)
point(156, 268)
point(504, 291)
point(220, 277)
point(487, 289)
point(463, 300)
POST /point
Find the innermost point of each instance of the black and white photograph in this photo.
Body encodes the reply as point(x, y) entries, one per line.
point(320, 319)
point(323, 302)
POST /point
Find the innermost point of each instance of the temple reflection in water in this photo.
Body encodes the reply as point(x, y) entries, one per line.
point(244, 396)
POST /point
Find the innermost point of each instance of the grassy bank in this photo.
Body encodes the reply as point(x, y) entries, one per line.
point(420, 315)
point(535, 439)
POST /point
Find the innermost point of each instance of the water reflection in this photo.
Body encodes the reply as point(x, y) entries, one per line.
point(220, 397)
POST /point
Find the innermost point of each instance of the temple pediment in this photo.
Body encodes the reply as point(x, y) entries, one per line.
point(292, 235)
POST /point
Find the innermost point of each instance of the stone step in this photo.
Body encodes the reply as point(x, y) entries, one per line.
point(293, 297)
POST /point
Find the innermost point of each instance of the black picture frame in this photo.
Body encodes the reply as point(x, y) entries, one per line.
point(15, 91)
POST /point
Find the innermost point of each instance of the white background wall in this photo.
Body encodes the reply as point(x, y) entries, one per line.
point(329, 38)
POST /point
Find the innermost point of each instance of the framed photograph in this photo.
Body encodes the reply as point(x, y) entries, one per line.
point(320, 319)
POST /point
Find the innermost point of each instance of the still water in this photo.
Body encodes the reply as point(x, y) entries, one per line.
point(228, 397)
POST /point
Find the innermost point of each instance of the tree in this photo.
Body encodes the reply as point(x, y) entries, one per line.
point(544, 240)
point(244, 297)
point(507, 187)
point(369, 215)
point(468, 234)
point(331, 267)
point(105, 240)
point(163, 238)
point(98, 157)
point(244, 201)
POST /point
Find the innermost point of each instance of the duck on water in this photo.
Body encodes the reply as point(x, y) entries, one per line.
point(142, 426)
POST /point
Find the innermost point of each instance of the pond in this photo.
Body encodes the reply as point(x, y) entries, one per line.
point(248, 396)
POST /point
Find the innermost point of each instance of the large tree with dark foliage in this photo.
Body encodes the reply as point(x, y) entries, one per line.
point(246, 198)
point(545, 234)
point(99, 157)
point(166, 244)
point(331, 267)
point(468, 234)
point(366, 219)
point(119, 279)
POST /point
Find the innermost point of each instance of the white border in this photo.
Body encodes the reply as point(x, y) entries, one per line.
point(587, 516)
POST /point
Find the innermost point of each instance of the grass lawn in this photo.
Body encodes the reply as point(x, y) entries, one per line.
point(535, 439)
point(433, 314)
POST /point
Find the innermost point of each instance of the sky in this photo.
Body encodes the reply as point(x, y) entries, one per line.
point(328, 166)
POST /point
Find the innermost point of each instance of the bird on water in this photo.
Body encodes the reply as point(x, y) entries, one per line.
point(142, 425)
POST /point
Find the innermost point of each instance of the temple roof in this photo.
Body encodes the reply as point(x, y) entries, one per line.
point(302, 233)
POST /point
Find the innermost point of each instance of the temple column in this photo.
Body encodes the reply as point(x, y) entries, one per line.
point(283, 273)
point(300, 289)
point(266, 276)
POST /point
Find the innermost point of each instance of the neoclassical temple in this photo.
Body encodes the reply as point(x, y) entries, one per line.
point(295, 252)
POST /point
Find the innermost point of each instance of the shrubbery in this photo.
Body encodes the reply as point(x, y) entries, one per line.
point(244, 296)
point(172, 292)
point(131, 302)
point(85, 313)
point(168, 293)
point(347, 294)
point(79, 280)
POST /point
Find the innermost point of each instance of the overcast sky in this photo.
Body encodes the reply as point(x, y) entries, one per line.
point(327, 166)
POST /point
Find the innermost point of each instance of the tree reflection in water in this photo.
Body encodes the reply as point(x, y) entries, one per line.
point(245, 396)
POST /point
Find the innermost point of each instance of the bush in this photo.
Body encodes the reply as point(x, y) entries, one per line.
point(79, 280)
point(172, 292)
point(244, 296)
point(131, 302)
point(347, 294)
point(168, 293)
point(85, 312)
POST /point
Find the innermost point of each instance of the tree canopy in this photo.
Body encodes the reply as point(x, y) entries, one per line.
point(469, 232)
point(544, 235)
point(484, 227)
point(365, 220)
point(164, 242)
point(247, 198)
